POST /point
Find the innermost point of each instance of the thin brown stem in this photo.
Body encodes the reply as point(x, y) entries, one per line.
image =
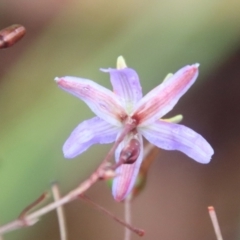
point(25, 211)
point(138, 231)
point(85, 185)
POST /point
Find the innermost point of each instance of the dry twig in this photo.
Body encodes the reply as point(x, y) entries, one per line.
point(214, 220)
point(60, 213)
point(138, 231)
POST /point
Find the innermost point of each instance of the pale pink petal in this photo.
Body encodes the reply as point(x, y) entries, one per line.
point(126, 173)
point(126, 85)
point(163, 98)
point(87, 133)
point(101, 101)
point(171, 136)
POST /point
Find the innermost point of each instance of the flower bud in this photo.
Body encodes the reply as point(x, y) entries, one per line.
point(10, 35)
point(130, 152)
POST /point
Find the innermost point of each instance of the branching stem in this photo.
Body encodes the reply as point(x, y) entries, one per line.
point(32, 218)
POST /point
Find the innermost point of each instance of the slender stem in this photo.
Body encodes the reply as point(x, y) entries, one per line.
point(35, 203)
point(72, 195)
point(127, 215)
point(60, 213)
point(138, 231)
point(14, 225)
point(214, 219)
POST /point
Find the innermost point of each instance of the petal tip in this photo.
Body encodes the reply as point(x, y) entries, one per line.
point(67, 154)
point(206, 161)
point(119, 197)
point(196, 65)
point(56, 79)
point(208, 157)
point(68, 150)
point(209, 150)
point(105, 70)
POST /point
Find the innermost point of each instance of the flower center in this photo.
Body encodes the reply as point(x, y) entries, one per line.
point(129, 120)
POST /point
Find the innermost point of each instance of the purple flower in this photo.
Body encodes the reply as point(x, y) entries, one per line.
point(113, 109)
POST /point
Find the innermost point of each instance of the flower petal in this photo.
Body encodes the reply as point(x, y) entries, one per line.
point(126, 85)
point(101, 101)
point(163, 98)
point(126, 173)
point(171, 136)
point(87, 133)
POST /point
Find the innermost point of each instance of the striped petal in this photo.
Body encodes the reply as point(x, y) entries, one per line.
point(101, 101)
point(171, 136)
point(126, 85)
point(163, 98)
point(87, 133)
point(126, 173)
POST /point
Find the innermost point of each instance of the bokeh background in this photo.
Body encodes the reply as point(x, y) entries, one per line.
point(156, 37)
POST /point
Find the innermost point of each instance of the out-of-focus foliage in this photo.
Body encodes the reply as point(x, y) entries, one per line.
point(155, 37)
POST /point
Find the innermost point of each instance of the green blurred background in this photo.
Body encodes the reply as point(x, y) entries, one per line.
point(76, 38)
